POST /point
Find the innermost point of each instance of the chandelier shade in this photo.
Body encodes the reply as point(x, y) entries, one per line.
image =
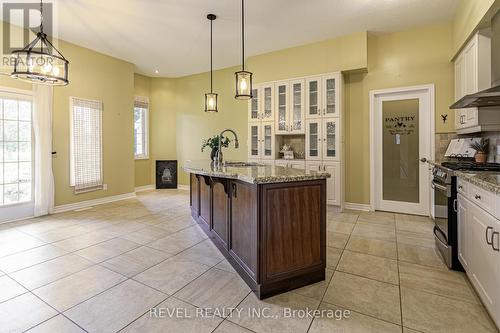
point(243, 77)
point(211, 97)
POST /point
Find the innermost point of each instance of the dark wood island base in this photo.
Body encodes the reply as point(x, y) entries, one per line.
point(274, 235)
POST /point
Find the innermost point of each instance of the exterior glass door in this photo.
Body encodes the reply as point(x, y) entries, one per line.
point(16, 157)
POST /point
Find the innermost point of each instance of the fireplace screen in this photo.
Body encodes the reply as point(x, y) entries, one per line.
point(166, 174)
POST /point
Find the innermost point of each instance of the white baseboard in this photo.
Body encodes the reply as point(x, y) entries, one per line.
point(183, 187)
point(145, 188)
point(357, 206)
point(90, 203)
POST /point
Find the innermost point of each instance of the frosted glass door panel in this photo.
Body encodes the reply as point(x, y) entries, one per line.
point(297, 106)
point(400, 150)
point(282, 116)
point(330, 139)
point(313, 107)
point(268, 101)
point(254, 105)
point(313, 140)
point(268, 144)
point(254, 141)
point(330, 107)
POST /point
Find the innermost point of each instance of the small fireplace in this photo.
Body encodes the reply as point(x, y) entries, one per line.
point(166, 174)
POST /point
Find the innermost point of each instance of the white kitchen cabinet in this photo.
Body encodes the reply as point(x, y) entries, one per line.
point(322, 139)
point(254, 106)
point(296, 164)
point(314, 99)
point(261, 141)
point(472, 74)
point(463, 231)
point(330, 95)
point(479, 244)
point(333, 188)
point(267, 105)
point(314, 140)
point(281, 91)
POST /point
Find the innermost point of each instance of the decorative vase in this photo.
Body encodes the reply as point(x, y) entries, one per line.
point(480, 157)
point(213, 155)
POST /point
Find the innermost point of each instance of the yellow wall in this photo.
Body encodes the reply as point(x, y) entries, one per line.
point(467, 17)
point(142, 87)
point(96, 76)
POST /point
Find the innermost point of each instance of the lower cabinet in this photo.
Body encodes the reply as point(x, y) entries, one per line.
point(333, 187)
point(479, 252)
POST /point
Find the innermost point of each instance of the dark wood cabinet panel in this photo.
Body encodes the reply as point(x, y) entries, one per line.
point(205, 201)
point(220, 223)
point(194, 197)
point(243, 230)
point(292, 229)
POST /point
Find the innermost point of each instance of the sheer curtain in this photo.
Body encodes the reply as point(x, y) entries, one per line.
point(42, 128)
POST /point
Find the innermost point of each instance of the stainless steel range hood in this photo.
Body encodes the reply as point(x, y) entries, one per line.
point(491, 96)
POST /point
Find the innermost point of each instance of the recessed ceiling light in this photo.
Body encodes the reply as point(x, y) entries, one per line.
point(157, 71)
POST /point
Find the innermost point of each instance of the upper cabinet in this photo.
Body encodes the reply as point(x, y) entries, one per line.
point(267, 93)
point(322, 97)
point(473, 74)
point(289, 105)
point(254, 107)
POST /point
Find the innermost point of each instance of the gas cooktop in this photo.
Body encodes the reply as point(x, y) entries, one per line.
point(471, 166)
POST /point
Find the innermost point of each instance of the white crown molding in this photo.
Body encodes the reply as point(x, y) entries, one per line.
point(357, 206)
point(90, 203)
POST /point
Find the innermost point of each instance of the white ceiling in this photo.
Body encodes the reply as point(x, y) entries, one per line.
point(172, 36)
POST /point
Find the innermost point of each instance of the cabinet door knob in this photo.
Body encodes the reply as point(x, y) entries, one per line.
point(488, 241)
point(460, 187)
point(477, 196)
point(497, 248)
point(234, 190)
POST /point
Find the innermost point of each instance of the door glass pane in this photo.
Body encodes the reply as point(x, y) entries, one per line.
point(313, 139)
point(267, 102)
point(267, 140)
point(330, 139)
point(313, 97)
point(330, 96)
point(297, 106)
point(400, 150)
point(255, 140)
point(16, 172)
point(282, 108)
point(255, 104)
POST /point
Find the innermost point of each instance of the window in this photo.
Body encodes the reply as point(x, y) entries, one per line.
point(86, 144)
point(141, 116)
point(16, 158)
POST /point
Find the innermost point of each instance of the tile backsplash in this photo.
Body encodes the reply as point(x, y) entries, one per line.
point(442, 142)
point(494, 141)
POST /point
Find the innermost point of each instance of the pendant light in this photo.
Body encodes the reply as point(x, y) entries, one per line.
point(243, 77)
point(40, 62)
point(211, 98)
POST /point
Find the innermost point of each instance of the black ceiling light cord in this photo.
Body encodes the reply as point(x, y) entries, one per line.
point(47, 66)
point(243, 77)
point(211, 98)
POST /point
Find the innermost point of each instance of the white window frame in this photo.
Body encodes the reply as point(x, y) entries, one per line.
point(72, 149)
point(145, 135)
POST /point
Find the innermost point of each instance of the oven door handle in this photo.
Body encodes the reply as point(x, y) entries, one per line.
point(435, 185)
point(442, 237)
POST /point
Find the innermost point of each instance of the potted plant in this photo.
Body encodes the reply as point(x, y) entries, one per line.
point(213, 143)
point(481, 147)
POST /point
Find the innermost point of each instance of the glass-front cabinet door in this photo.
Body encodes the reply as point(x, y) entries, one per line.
point(313, 139)
point(330, 139)
point(282, 122)
point(267, 103)
point(254, 146)
point(267, 132)
point(330, 93)
point(297, 107)
point(313, 97)
point(254, 111)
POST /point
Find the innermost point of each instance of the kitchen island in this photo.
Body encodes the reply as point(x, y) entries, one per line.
point(268, 221)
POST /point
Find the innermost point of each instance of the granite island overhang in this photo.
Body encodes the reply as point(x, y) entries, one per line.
point(268, 221)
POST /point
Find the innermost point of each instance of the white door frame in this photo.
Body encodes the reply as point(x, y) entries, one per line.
point(428, 89)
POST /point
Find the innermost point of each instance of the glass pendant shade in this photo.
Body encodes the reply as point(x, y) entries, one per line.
point(243, 85)
point(211, 102)
point(40, 62)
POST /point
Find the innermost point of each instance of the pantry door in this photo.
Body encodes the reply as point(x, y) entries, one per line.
point(16, 155)
point(402, 140)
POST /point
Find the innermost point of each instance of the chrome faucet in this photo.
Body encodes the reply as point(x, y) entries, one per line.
point(236, 143)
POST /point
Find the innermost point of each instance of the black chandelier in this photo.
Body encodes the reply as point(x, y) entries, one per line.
point(243, 77)
point(211, 98)
point(40, 62)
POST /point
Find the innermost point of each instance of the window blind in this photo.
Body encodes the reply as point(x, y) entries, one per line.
point(141, 109)
point(86, 144)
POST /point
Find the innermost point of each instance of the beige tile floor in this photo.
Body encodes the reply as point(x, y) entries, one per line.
point(104, 269)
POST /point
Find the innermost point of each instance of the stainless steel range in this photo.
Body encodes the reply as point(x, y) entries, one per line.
point(444, 185)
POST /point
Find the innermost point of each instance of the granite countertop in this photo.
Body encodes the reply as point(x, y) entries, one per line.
point(255, 173)
point(489, 181)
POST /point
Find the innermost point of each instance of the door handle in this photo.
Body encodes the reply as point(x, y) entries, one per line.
point(455, 205)
point(493, 243)
point(235, 194)
point(489, 242)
